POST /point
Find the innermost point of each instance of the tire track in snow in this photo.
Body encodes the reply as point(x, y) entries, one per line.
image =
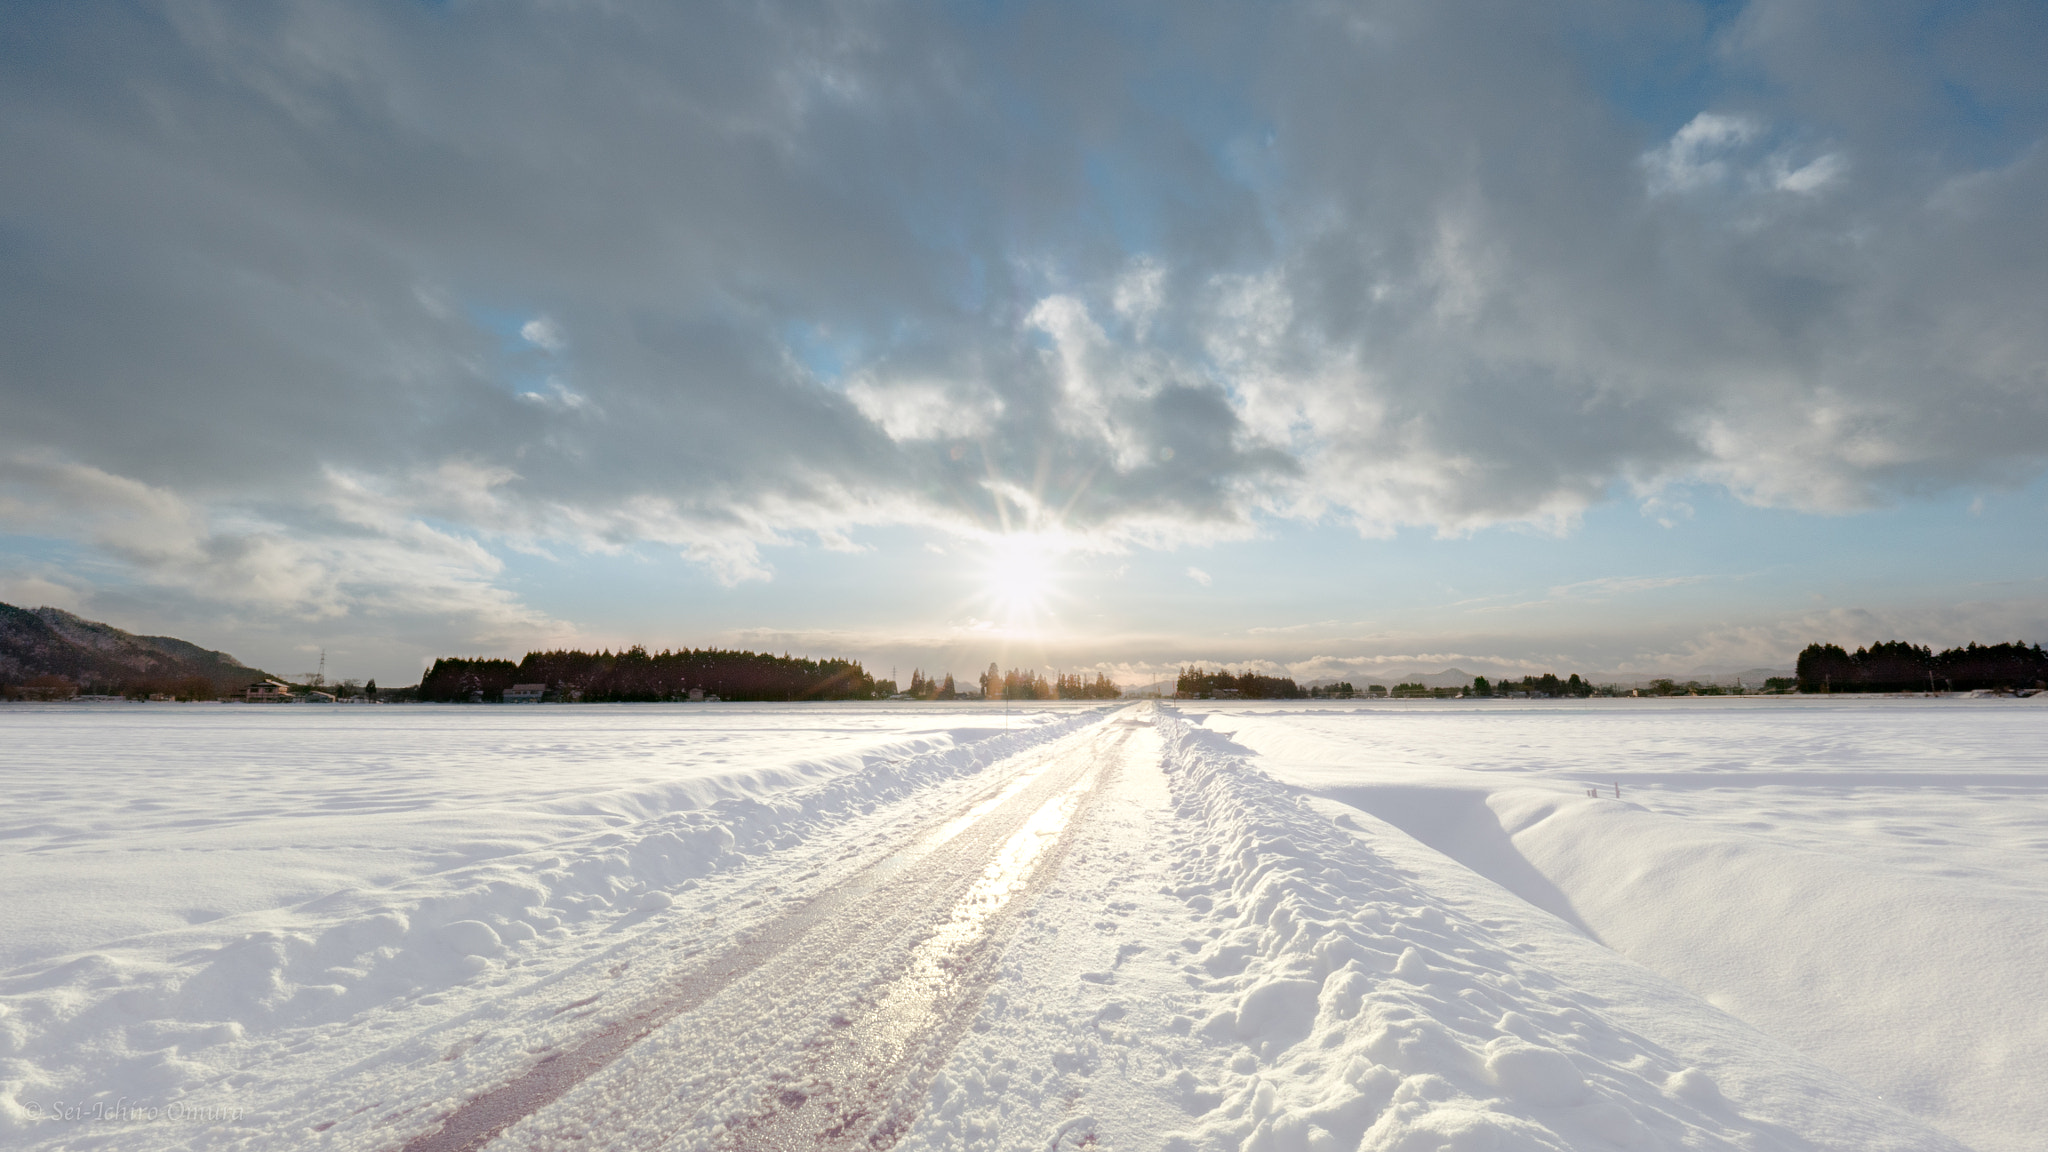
point(916, 890)
point(863, 1083)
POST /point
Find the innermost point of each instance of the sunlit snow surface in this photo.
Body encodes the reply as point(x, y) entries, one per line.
point(123, 819)
point(1303, 926)
point(223, 904)
point(1864, 878)
point(1947, 787)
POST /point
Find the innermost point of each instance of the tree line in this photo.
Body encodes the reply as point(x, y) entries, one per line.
point(637, 675)
point(1547, 684)
point(1196, 683)
point(1896, 666)
point(1029, 685)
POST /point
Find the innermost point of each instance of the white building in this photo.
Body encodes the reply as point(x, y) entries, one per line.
point(525, 693)
point(267, 692)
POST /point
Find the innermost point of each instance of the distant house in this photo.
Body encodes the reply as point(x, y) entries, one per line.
point(267, 692)
point(525, 693)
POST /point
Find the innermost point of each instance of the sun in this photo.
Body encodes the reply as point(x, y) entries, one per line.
point(1020, 575)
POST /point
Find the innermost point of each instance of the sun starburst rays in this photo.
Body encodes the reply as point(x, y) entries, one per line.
point(1020, 580)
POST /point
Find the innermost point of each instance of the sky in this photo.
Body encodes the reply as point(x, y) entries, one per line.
point(1331, 339)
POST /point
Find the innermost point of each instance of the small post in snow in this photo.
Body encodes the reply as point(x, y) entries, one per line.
point(1617, 789)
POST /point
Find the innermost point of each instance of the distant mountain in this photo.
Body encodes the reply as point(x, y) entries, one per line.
point(53, 642)
point(1748, 677)
point(1448, 678)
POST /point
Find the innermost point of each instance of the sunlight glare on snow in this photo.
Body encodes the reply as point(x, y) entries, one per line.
point(906, 1007)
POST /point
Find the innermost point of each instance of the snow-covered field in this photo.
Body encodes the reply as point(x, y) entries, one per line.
point(1865, 880)
point(1803, 924)
point(125, 819)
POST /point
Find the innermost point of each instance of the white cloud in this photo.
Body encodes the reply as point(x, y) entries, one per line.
point(1776, 640)
point(1139, 294)
point(1595, 590)
point(1814, 176)
point(1665, 510)
point(912, 410)
point(733, 559)
point(1199, 576)
point(1424, 274)
point(1697, 155)
point(1721, 152)
point(364, 556)
point(1101, 382)
point(559, 396)
point(544, 334)
point(36, 590)
point(41, 492)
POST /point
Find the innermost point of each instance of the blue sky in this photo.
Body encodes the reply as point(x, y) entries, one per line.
point(1332, 339)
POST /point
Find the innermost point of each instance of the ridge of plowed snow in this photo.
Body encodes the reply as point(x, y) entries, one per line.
point(1288, 988)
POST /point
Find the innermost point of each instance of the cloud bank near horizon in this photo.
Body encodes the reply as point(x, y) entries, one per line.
point(323, 308)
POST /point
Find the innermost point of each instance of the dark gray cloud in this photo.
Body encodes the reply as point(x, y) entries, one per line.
point(319, 299)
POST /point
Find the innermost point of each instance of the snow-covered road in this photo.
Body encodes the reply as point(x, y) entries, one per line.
point(832, 1015)
point(1145, 926)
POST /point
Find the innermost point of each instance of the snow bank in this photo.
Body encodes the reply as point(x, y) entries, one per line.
point(127, 819)
point(157, 1017)
point(1920, 987)
point(1926, 989)
point(1368, 1013)
point(1861, 880)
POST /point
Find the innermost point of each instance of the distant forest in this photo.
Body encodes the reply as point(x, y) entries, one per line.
point(1029, 685)
point(1900, 667)
point(1546, 685)
point(638, 675)
point(1198, 684)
